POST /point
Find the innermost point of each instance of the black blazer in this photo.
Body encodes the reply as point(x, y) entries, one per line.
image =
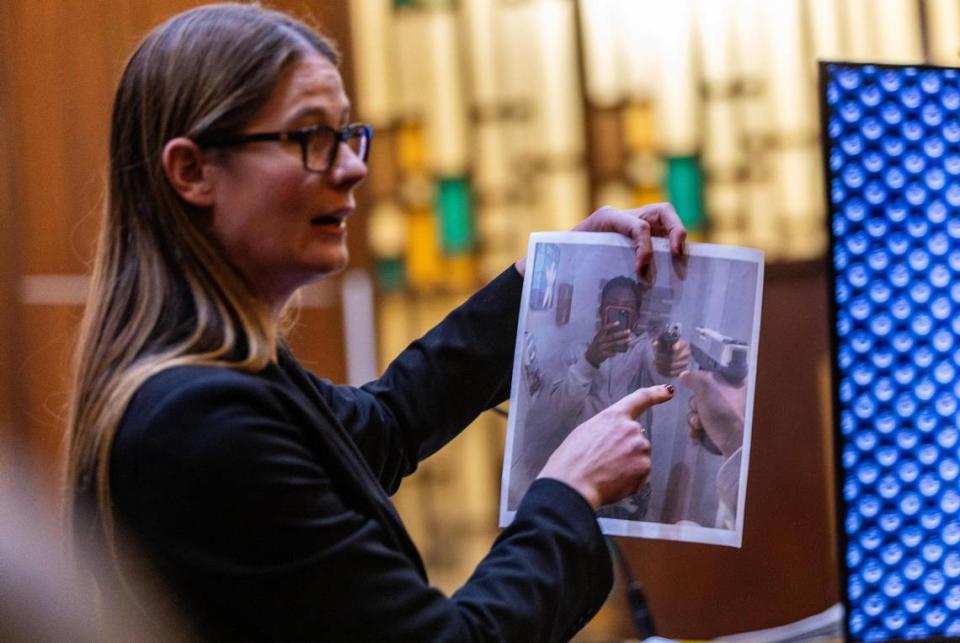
point(261, 499)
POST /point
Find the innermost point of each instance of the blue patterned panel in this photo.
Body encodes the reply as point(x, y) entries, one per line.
point(892, 156)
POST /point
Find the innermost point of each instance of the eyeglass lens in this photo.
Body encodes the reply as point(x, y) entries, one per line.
point(323, 146)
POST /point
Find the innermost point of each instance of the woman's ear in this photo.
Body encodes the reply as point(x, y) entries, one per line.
point(184, 165)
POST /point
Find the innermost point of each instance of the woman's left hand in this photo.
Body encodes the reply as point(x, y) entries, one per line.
point(640, 224)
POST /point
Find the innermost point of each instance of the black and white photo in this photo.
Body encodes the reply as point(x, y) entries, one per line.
point(606, 331)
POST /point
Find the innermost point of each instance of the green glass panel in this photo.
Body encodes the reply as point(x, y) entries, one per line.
point(391, 274)
point(454, 207)
point(684, 187)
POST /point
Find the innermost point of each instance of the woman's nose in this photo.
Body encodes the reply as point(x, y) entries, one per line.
point(348, 168)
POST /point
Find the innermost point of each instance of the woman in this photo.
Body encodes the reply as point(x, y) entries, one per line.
point(258, 491)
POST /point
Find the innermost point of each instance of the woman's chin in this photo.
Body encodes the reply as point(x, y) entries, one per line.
point(308, 271)
point(331, 264)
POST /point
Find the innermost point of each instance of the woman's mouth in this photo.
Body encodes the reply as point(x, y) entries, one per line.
point(332, 220)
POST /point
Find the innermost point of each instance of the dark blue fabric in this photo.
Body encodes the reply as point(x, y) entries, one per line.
point(261, 499)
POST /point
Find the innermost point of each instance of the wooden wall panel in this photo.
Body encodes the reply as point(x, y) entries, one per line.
point(49, 339)
point(54, 136)
point(67, 57)
point(62, 60)
point(11, 409)
point(317, 341)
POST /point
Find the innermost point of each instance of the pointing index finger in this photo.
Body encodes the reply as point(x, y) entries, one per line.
point(635, 403)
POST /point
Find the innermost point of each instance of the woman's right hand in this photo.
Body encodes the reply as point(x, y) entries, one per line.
point(654, 220)
point(607, 457)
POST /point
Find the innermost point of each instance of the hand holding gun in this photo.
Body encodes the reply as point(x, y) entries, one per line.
point(717, 411)
point(671, 355)
point(724, 357)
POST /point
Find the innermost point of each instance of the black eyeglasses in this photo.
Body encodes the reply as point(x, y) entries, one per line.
point(319, 144)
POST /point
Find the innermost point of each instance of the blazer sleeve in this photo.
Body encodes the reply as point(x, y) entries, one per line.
point(261, 541)
point(436, 386)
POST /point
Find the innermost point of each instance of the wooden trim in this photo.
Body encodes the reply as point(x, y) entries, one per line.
point(12, 425)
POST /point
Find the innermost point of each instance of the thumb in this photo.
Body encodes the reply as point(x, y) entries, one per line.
point(693, 380)
point(635, 403)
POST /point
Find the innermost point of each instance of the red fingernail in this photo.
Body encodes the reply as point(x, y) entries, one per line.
point(670, 388)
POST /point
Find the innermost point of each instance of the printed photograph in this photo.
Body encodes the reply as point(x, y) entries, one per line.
point(592, 331)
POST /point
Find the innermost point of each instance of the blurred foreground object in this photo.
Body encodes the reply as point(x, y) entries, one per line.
point(41, 598)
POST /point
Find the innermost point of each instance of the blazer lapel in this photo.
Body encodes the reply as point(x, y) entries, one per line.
point(349, 458)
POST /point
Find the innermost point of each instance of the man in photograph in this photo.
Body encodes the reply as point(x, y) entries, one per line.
point(621, 357)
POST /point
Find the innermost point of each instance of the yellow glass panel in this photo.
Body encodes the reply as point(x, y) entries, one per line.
point(886, 31)
point(638, 127)
point(492, 263)
point(371, 28)
point(797, 181)
point(826, 29)
point(639, 48)
point(645, 169)
point(714, 21)
point(445, 109)
point(411, 148)
point(614, 193)
point(899, 31)
point(387, 230)
point(792, 103)
point(411, 81)
point(724, 200)
point(943, 25)
point(722, 153)
point(762, 222)
point(558, 119)
point(648, 194)
point(425, 265)
point(564, 199)
point(598, 21)
point(479, 20)
point(394, 332)
point(416, 191)
point(461, 272)
point(678, 95)
point(491, 160)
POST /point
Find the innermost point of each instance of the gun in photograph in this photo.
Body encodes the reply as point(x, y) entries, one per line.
point(720, 354)
point(668, 337)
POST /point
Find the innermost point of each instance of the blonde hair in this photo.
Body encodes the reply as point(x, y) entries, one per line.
point(163, 292)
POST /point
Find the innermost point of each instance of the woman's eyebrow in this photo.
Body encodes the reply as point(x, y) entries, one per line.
point(322, 112)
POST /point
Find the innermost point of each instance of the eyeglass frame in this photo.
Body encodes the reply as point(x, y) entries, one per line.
point(302, 136)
